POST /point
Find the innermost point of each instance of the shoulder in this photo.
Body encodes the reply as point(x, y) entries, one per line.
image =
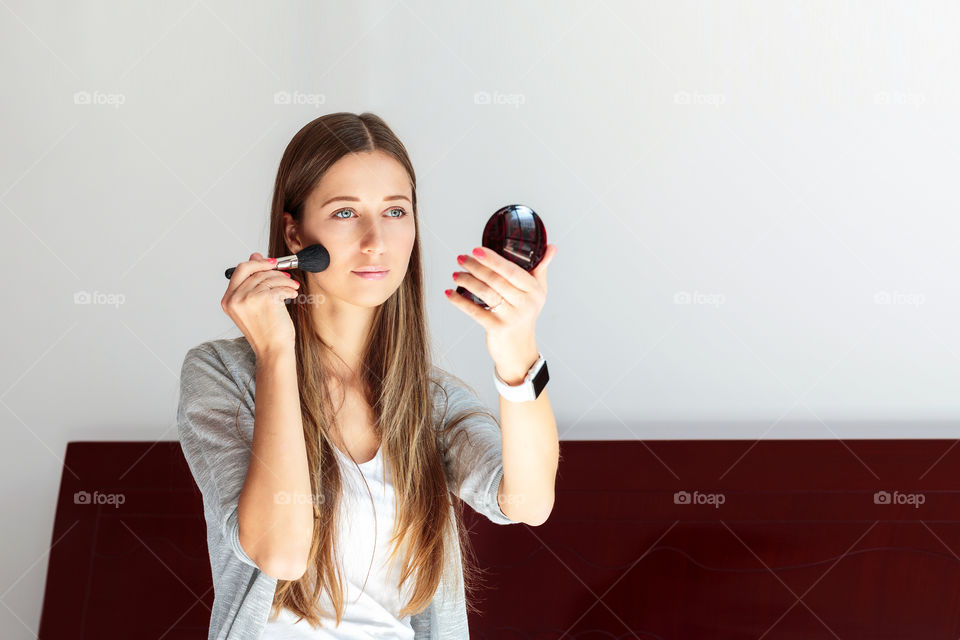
point(452, 392)
point(230, 356)
point(230, 350)
point(446, 378)
point(443, 383)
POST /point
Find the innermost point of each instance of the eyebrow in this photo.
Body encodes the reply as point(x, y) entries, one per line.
point(354, 199)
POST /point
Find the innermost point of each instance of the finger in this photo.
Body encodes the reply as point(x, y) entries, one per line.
point(494, 280)
point(514, 274)
point(540, 271)
point(256, 263)
point(479, 288)
point(273, 278)
point(279, 291)
point(278, 286)
point(283, 293)
point(472, 309)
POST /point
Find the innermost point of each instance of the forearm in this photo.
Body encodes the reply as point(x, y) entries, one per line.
point(531, 449)
point(275, 507)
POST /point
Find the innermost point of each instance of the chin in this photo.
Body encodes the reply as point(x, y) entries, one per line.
point(370, 299)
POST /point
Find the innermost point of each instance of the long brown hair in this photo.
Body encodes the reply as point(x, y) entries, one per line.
point(397, 381)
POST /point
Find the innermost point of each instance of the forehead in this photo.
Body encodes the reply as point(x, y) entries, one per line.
point(369, 175)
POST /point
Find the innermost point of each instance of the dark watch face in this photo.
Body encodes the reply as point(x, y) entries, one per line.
point(516, 233)
point(540, 380)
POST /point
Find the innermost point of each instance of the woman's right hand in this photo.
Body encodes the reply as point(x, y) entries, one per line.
point(254, 300)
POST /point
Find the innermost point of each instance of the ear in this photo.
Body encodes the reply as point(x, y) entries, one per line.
point(291, 232)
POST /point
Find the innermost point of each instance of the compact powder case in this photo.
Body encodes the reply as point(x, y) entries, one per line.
point(516, 233)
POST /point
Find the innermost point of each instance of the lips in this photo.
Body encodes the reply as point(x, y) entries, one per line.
point(372, 275)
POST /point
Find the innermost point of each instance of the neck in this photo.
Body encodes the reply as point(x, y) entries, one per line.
point(345, 327)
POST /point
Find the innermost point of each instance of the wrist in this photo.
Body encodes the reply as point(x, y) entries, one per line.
point(275, 353)
point(514, 371)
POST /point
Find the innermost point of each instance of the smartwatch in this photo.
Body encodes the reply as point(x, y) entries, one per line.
point(528, 390)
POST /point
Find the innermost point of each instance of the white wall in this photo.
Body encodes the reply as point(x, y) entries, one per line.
point(789, 167)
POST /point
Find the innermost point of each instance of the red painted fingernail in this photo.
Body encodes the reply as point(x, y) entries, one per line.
point(286, 273)
point(455, 274)
point(447, 292)
point(273, 260)
point(479, 253)
point(461, 259)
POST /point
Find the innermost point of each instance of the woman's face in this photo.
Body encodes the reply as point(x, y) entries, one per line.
point(362, 212)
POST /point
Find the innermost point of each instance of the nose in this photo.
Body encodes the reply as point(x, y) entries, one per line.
point(372, 240)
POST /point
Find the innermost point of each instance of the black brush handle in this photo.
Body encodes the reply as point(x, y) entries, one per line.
point(229, 272)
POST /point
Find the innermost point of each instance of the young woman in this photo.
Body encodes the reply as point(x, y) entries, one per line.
point(328, 500)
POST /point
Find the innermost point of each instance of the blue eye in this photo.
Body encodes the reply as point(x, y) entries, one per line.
point(336, 214)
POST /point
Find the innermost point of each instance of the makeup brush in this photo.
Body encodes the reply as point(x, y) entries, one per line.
point(314, 258)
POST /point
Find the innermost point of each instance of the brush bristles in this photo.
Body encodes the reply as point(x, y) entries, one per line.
point(314, 258)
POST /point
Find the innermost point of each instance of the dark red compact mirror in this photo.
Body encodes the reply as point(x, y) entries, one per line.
point(516, 233)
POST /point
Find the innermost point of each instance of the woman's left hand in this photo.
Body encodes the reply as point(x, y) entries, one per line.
point(518, 296)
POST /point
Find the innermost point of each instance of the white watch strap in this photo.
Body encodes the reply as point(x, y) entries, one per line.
point(523, 392)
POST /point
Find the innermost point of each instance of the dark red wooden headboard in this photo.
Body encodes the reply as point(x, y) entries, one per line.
point(648, 539)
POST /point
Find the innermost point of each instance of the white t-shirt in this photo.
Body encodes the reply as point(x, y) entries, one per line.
point(369, 611)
